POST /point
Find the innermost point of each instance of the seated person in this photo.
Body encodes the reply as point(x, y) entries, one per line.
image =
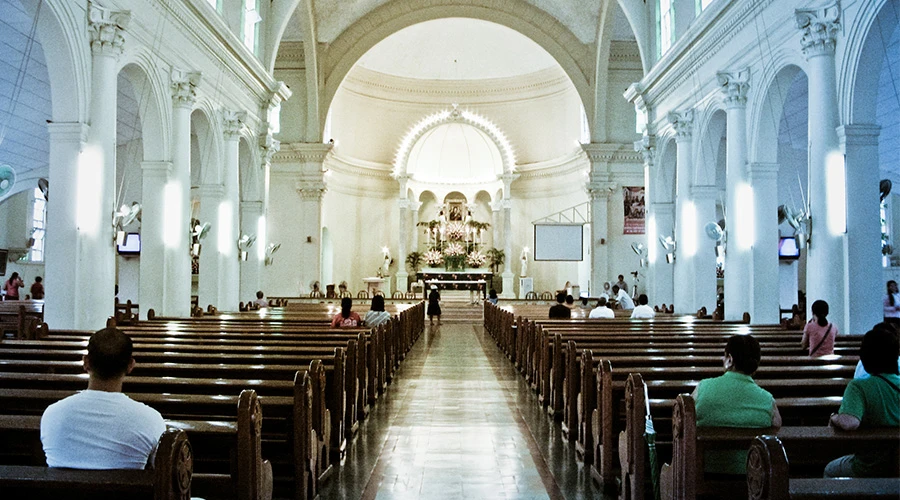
point(819, 333)
point(622, 298)
point(101, 428)
point(734, 400)
point(871, 402)
point(601, 311)
point(560, 311)
point(492, 297)
point(643, 311)
point(570, 301)
point(376, 315)
point(584, 303)
point(860, 371)
point(260, 301)
point(346, 318)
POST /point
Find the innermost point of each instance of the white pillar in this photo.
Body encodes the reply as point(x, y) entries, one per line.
point(95, 254)
point(826, 278)
point(228, 218)
point(414, 207)
point(250, 268)
point(663, 291)
point(210, 258)
point(738, 198)
point(178, 199)
point(312, 190)
point(153, 262)
point(496, 220)
point(599, 188)
point(688, 234)
point(402, 275)
point(66, 142)
point(508, 275)
point(764, 307)
point(705, 257)
point(646, 146)
point(860, 144)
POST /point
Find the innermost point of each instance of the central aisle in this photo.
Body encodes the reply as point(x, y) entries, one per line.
point(458, 422)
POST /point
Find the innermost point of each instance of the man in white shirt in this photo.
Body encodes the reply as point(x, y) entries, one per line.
point(260, 301)
point(622, 298)
point(101, 428)
point(601, 311)
point(643, 311)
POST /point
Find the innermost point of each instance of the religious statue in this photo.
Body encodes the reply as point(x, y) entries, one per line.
point(524, 272)
point(387, 261)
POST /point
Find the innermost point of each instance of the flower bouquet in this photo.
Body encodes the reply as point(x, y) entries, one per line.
point(476, 259)
point(433, 258)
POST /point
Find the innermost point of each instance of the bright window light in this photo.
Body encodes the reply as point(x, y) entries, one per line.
point(261, 238)
point(651, 239)
point(38, 226)
point(666, 15)
point(251, 19)
point(90, 181)
point(836, 193)
point(704, 3)
point(225, 228)
point(585, 136)
point(172, 214)
point(746, 234)
point(640, 121)
point(689, 219)
point(275, 119)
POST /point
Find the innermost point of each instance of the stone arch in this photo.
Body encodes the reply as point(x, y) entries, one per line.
point(450, 116)
point(155, 129)
point(208, 146)
point(712, 131)
point(576, 59)
point(248, 162)
point(663, 175)
point(862, 62)
point(62, 31)
point(768, 107)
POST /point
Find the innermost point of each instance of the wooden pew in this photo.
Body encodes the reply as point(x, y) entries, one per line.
point(169, 479)
point(20, 318)
point(768, 479)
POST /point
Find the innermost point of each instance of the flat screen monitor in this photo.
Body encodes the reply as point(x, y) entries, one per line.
point(787, 248)
point(131, 245)
point(4, 255)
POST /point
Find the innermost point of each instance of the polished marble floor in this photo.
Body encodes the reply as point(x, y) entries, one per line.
point(459, 423)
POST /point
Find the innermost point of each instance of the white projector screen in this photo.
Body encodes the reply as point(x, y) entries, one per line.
point(558, 242)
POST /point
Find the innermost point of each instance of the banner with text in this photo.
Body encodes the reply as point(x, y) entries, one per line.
point(634, 209)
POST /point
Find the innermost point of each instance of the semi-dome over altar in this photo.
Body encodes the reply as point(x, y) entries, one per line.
point(457, 153)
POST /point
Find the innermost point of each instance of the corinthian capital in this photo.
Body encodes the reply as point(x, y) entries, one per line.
point(184, 87)
point(106, 27)
point(646, 146)
point(682, 122)
point(268, 147)
point(232, 123)
point(820, 28)
point(735, 85)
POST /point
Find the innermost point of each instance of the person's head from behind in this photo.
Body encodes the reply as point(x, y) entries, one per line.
point(584, 301)
point(109, 355)
point(570, 300)
point(878, 351)
point(377, 303)
point(13, 277)
point(615, 289)
point(560, 297)
point(621, 277)
point(601, 302)
point(742, 354)
point(820, 310)
point(493, 294)
point(346, 304)
point(259, 294)
point(38, 279)
point(643, 300)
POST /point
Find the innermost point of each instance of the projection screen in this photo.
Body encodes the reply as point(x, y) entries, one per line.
point(558, 242)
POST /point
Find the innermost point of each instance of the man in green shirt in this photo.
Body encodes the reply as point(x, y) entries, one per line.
point(871, 402)
point(734, 400)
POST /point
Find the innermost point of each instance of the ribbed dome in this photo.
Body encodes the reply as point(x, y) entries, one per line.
point(455, 153)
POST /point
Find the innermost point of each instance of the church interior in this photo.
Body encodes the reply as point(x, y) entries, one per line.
point(732, 160)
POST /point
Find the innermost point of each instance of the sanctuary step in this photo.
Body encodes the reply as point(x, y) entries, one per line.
point(457, 307)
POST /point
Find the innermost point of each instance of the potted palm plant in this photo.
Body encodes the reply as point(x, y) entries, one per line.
point(496, 258)
point(414, 261)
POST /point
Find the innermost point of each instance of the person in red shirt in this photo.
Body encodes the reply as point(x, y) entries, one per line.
point(346, 318)
point(37, 289)
point(12, 286)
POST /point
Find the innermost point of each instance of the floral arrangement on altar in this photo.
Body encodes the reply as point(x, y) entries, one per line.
point(456, 231)
point(454, 243)
point(476, 259)
point(433, 258)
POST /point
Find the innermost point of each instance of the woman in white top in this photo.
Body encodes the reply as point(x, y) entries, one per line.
point(376, 314)
point(892, 303)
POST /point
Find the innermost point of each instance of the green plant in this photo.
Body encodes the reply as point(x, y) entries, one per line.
point(496, 257)
point(414, 260)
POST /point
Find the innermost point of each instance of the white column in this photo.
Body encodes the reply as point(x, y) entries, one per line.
point(599, 188)
point(646, 147)
point(153, 262)
point(663, 291)
point(765, 307)
point(738, 198)
point(496, 221)
point(704, 267)
point(860, 144)
point(95, 255)
point(312, 190)
point(228, 218)
point(210, 259)
point(414, 207)
point(250, 268)
point(826, 278)
point(508, 275)
point(687, 226)
point(66, 142)
point(402, 275)
point(178, 198)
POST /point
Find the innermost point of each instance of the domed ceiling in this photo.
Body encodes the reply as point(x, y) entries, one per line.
point(455, 152)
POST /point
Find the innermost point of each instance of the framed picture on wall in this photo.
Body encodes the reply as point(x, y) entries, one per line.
point(456, 210)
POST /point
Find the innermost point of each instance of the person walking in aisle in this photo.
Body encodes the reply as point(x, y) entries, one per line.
point(434, 305)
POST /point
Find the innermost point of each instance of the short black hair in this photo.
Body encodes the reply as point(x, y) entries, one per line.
point(615, 288)
point(878, 351)
point(259, 294)
point(601, 302)
point(745, 352)
point(39, 279)
point(109, 353)
point(377, 303)
point(642, 299)
point(570, 299)
point(560, 297)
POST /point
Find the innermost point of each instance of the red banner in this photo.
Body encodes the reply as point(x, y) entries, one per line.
point(634, 209)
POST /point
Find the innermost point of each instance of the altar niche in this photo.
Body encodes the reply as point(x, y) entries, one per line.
point(455, 239)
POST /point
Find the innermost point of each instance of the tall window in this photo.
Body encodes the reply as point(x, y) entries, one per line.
point(702, 4)
point(251, 19)
point(38, 226)
point(214, 3)
point(665, 17)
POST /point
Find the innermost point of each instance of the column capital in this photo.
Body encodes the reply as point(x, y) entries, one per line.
point(762, 171)
point(506, 203)
point(497, 205)
point(683, 123)
point(403, 203)
point(268, 146)
point(667, 208)
point(210, 191)
point(820, 27)
point(68, 131)
point(647, 147)
point(232, 123)
point(508, 178)
point(415, 205)
point(156, 168)
point(252, 206)
point(311, 190)
point(735, 85)
point(597, 190)
point(704, 192)
point(859, 134)
point(105, 27)
point(184, 87)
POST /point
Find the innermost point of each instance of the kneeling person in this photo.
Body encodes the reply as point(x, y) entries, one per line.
point(102, 428)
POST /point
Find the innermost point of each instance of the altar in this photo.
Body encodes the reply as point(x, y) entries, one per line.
point(470, 279)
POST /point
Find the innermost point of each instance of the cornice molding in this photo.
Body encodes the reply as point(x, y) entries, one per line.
point(291, 55)
point(303, 152)
point(612, 153)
